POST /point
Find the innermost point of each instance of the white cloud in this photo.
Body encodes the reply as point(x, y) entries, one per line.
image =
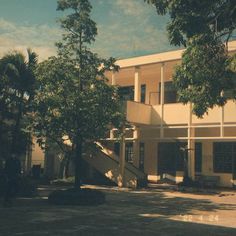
point(131, 7)
point(40, 38)
point(128, 34)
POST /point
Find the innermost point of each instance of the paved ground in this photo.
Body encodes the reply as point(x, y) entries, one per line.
point(126, 212)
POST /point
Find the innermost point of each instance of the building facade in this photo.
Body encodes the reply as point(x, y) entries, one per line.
point(163, 136)
point(164, 133)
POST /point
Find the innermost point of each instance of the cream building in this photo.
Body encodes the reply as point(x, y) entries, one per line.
point(162, 130)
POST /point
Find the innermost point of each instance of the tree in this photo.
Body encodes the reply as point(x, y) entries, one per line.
point(204, 28)
point(74, 101)
point(17, 86)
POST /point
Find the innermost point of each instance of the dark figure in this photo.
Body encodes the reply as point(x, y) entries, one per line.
point(12, 173)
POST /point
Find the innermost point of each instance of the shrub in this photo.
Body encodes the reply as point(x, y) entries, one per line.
point(26, 187)
point(74, 196)
point(67, 181)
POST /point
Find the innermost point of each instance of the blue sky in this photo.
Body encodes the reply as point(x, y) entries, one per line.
point(126, 28)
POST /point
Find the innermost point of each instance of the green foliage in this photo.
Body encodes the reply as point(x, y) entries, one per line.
point(204, 27)
point(17, 85)
point(196, 81)
point(27, 187)
point(74, 101)
point(190, 18)
point(77, 197)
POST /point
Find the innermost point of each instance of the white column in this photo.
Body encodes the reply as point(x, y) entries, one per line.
point(111, 134)
point(121, 177)
point(136, 147)
point(191, 146)
point(137, 85)
point(162, 98)
point(222, 122)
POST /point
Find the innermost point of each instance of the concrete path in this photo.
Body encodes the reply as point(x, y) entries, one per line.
point(126, 212)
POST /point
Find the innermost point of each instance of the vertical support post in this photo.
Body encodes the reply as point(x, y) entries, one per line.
point(113, 83)
point(136, 146)
point(191, 146)
point(121, 177)
point(162, 98)
point(28, 160)
point(111, 134)
point(137, 85)
point(222, 122)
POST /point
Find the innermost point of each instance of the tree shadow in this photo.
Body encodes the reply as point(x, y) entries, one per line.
point(125, 212)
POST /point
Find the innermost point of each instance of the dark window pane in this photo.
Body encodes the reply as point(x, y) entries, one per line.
point(129, 153)
point(143, 93)
point(198, 157)
point(126, 93)
point(223, 153)
point(170, 93)
point(117, 149)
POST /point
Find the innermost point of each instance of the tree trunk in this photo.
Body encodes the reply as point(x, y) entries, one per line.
point(67, 165)
point(78, 163)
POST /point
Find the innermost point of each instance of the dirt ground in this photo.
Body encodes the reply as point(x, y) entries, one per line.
point(150, 211)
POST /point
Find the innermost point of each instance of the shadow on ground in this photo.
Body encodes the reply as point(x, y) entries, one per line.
point(125, 212)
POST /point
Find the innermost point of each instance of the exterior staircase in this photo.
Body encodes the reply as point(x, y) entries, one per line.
point(107, 163)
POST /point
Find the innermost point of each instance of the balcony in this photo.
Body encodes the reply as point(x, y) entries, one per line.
point(178, 114)
point(138, 113)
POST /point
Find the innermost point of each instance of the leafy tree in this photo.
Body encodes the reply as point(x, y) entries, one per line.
point(204, 28)
point(75, 102)
point(204, 74)
point(17, 85)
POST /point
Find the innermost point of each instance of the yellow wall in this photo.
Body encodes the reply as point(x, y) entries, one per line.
point(37, 155)
point(150, 159)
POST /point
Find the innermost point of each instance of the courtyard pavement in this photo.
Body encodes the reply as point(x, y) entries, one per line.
point(150, 211)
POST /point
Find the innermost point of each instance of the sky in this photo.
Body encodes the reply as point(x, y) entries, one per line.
point(126, 28)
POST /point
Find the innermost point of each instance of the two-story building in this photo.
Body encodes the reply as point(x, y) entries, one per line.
point(163, 131)
point(163, 135)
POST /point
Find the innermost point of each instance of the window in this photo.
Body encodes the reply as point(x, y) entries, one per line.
point(129, 152)
point(230, 93)
point(170, 93)
point(143, 93)
point(141, 156)
point(198, 157)
point(223, 155)
point(126, 93)
point(170, 157)
point(117, 148)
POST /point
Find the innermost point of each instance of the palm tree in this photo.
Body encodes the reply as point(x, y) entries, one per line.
point(18, 85)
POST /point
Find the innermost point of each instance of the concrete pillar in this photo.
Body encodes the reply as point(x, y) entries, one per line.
point(121, 177)
point(137, 85)
point(191, 146)
point(111, 134)
point(162, 98)
point(222, 122)
point(191, 159)
point(136, 147)
point(113, 82)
